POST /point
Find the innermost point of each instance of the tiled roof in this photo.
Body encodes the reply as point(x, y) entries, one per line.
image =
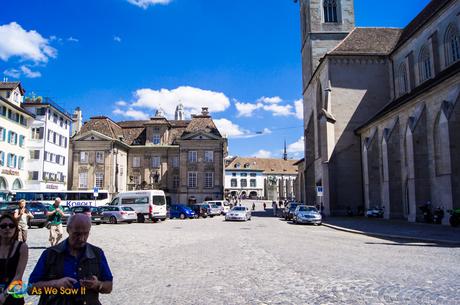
point(103, 125)
point(202, 123)
point(368, 41)
point(268, 166)
point(12, 86)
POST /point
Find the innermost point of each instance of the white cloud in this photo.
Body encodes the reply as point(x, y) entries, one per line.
point(146, 3)
point(72, 39)
point(279, 110)
point(27, 45)
point(132, 114)
point(121, 103)
point(296, 147)
point(263, 154)
point(231, 130)
point(246, 109)
point(192, 99)
point(298, 105)
point(15, 73)
point(270, 100)
point(117, 38)
point(29, 73)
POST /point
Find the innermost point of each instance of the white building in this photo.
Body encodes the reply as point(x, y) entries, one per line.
point(48, 145)
point(14, 135)
point(272, 179)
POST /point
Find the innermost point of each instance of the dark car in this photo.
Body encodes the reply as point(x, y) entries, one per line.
point(67, 212)
point(7, 207)
point(39, 210)
point(199, 210)
point(94, 212)
point(181, 211)
point(288, 212)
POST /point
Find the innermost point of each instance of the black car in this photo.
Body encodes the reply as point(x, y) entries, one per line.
point(8, 207)
point(288, 212)
point(39, 211)
point(94, 212)
point(199, 210)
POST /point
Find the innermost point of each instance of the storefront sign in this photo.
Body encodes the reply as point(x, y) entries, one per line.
point(52, 187)
point(10, 172)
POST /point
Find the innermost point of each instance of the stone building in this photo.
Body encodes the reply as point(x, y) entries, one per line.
point(182, 157)
point(268, 178)
point(380, 109)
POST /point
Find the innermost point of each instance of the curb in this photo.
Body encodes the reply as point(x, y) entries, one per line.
point(405, 237)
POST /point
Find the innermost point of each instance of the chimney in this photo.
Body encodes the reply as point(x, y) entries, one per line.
point(204, 111)
point(77, 121)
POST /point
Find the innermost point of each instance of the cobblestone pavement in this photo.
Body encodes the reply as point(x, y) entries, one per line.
point(265, 261)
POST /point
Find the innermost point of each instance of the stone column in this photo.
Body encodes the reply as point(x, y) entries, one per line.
point(409, 147)
point(386, 183)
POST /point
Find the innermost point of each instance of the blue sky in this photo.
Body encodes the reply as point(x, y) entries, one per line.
point(125, 58)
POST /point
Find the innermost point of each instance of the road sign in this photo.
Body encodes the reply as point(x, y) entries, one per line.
point(319, 191)
point(96, 191)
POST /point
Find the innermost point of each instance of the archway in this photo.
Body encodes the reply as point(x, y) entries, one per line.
point(253, 195)
point(373, 165)
point(394, 174)
point(454, 132)
point(17, 184)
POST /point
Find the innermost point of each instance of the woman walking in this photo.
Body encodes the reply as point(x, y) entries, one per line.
point(13, 259)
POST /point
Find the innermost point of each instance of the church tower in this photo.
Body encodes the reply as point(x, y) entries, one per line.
point(324, 24)
point(179, 115)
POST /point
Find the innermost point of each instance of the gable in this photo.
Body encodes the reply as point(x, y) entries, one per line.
point(200, 136)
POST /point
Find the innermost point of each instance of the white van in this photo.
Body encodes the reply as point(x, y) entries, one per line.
point(222, 204)
point(150, 204)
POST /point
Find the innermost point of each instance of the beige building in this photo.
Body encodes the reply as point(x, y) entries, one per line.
point(381, 111)
point(182, 157)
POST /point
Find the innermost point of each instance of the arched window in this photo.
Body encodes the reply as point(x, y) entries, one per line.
point(17, 185)
point(3, 185)
point(452, 45)
point(424, 64)
point(402, 77)
point(330, 11)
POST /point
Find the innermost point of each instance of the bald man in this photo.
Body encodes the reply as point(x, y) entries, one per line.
point(73, 264)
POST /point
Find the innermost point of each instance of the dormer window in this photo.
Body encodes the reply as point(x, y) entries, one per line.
point(330, 11)
point(156, 139)
point(246, 165)
point(237, 165)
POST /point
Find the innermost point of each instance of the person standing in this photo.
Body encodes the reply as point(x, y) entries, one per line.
point(74, 263)
point(22, 215)
point(13, 259)
point(55, 214)
point(274, 206)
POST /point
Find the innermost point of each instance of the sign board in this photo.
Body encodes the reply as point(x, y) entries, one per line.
point(96, 191)
point(319, 191)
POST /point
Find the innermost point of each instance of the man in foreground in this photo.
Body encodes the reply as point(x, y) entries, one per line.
point(73, 272)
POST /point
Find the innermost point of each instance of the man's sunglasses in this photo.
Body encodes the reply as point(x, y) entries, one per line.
point(7, 225)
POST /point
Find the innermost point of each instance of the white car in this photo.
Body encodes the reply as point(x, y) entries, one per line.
point(238, 213)
point(222, 204)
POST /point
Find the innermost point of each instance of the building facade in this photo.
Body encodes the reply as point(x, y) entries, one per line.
point(48, 145)
point(14, 136)
point(182, 157)
point(267, 178)
point(403, 78)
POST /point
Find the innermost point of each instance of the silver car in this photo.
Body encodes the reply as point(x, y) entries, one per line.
point(307, 214)
point(115, 214)
point(212, 209)
point(238, 213)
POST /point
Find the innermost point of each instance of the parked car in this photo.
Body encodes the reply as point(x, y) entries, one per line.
point(307, 214)
point(115, 214)
point(39, 210)
point(288, 211)
point(180, 211)
point(212, 209)
point(91, 211)
point(222, 204)
point(376, 212)
point(67, 213)
point(238, 213)
point(7, 207)
point(199, 210)
point(148, 204)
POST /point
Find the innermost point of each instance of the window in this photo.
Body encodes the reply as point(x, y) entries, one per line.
point(156, 161)
point(99, 180)
point(12, 160)
point(175, 161)
point(244, 174)
point(2, 134)
point(136, 180)
point(52, 158)
point(37, 133)
point(176, 182)
point(209, 156)
point(12, 137)
point(41, 111)
point(83, 180)
point(136, 161)
point(61, 121)
point(403, 85)
point(330, 11)
point(3, 110)
point(424, 64)
point(192, 156)
point(452, 45)
point(55, 138)
point(252, 183)
point(244, 183)
point(253, 174)
point(22, 120)
point(34, 154)
point(50, 135)
point(21, 141)
point(209, 180)
point(33, 175)
point(192, 179)
point(21, 163)
point(233, 174)
point(55, 118)
point(2, 158)
point(99, 157)
point(156, 139)
point(84, 156)
point(233, 183)
point(58, 159)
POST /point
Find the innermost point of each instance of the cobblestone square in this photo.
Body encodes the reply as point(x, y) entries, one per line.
point(265, 261)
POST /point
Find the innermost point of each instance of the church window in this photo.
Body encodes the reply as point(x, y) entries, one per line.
point(330, 11)
point(452, 45)
point(403, 86)
point(424, 64)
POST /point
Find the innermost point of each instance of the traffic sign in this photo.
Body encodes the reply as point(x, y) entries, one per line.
point(319, 191)
point(96, 191)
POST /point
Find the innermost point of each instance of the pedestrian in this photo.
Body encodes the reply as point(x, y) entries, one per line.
point(253, 206)
point(265, 206)
point(13, 259)
point(55, 222)
point(274, 206)
point(22, 215)
point(73, 263)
